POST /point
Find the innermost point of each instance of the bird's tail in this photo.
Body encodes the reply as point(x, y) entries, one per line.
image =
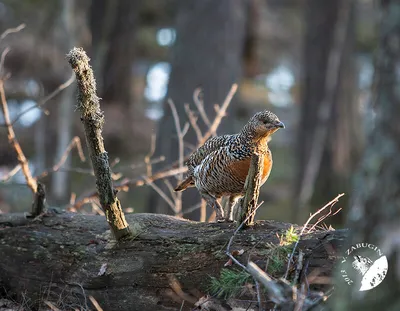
point(187, 183)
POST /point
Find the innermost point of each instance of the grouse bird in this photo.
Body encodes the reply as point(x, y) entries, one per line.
point(220, 167)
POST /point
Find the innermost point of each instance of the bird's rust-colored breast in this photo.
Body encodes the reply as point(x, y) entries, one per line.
point(266, 167)
point(241, 168)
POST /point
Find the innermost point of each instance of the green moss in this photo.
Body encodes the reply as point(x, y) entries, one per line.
point(291, 236)
point(277, 255)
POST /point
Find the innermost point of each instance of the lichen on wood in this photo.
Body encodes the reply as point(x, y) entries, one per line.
point(63, 255)
point(93, 119)
point(252, 186)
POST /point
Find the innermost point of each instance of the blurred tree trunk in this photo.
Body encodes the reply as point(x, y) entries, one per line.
point(208, 53)
point(374, 217)
point(61, 180)
point(328, 132)
point(114, 26)
point(102, 18)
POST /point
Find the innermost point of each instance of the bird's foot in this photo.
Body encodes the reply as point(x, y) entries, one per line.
point(219, 217)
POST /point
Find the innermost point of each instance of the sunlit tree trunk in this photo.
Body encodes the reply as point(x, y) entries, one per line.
point(375, 213)
point(208, 53)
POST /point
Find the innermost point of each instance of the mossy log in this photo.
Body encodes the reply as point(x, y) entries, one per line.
point(65, 258)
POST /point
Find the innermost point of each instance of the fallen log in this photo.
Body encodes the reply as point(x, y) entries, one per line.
point(67, 257)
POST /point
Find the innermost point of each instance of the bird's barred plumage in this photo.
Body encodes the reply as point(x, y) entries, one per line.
point(220, 166)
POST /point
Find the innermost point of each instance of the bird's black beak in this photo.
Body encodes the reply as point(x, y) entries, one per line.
point(280, 125)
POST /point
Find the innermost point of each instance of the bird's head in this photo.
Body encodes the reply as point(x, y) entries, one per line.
point(263, 124)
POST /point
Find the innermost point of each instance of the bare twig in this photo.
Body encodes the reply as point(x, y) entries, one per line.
point(329, 204)
point(12, 30)
point(299, 266)
point(11, 173)
point(147, 158)
point(75, 142)
point(3, 58)
point(323, 217)
point(72, 198)
point(139, 165)
point(161, 193)
point(170, 189)
point(274, 291)
point(200, 107)
point(95, 303)
point(193, 123)
point(300, 300)
point(220, 114)
point(177, 288)
point(43, 101)
point(258, 294)
point(181, 133)
point(192, 209)
point(51, 306)
point(23, 162)
point(97, 209)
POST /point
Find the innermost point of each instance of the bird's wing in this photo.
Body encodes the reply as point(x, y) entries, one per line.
point(195, 159)
point(209, 146)
point(221, 172)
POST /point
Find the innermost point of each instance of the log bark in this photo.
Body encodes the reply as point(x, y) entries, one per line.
point(67, 257)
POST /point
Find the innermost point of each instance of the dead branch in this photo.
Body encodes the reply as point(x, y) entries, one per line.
point(274, 291)
point(329, 204)
point(147, 158)
point(12, 139)
point(162, 194)
point(181, 134)
point(43, 101)
point(252, 187)
point(3, 58)
point(75, 142)
point(193, 122)
point(38, 205)
point(95, 303)
point(12, 30)
point(11, 173)
point(220, 114)
point(92, 118)
point(200, 107)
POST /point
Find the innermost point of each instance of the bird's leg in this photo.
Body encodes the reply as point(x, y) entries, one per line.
point(229, 209)
point(211, 200)
point(219, 212)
